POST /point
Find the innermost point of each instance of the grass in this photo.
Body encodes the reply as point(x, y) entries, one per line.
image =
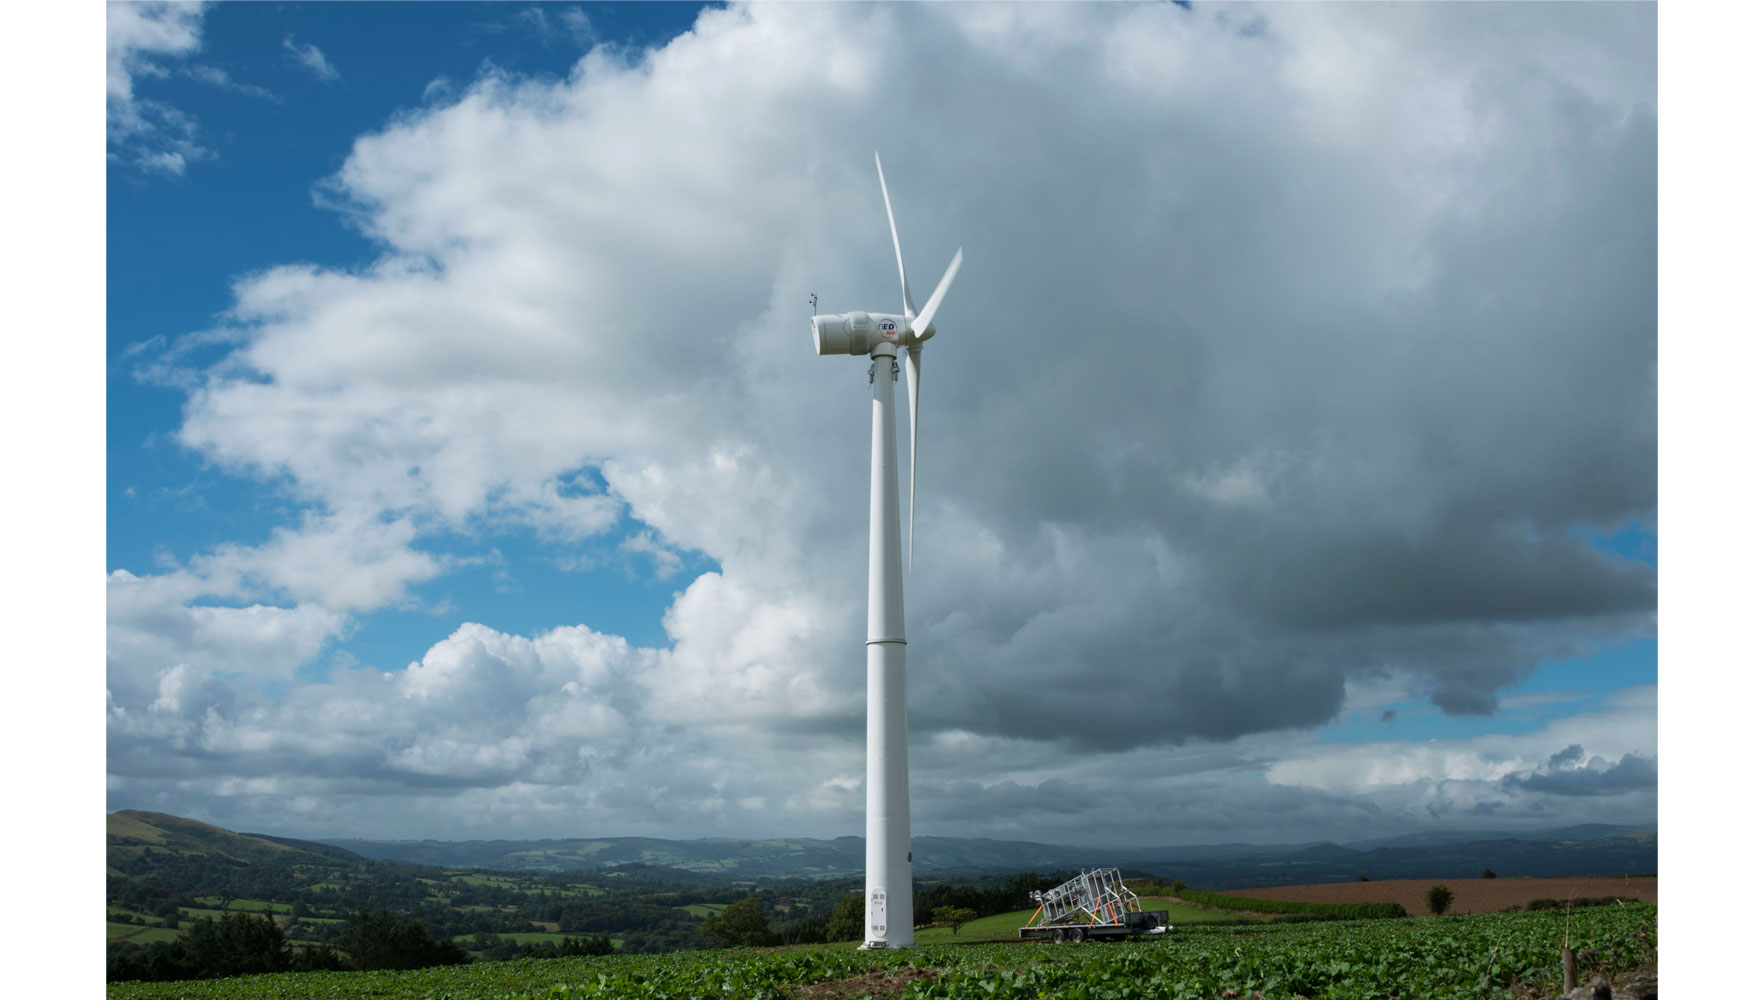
point(245, 905)
point(534, 937)
point(1001, 927)
point(1185, 913)
point(495, 880)
point(140, 935)
point(705, 909)
point(520, 937)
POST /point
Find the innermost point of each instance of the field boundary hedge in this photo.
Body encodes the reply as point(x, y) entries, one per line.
point(1345, 911)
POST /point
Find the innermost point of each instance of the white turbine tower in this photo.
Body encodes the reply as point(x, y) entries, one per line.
point(887, 912)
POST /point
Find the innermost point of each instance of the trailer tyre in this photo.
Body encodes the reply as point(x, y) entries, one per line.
point(1057, 936)
point(1078, 935)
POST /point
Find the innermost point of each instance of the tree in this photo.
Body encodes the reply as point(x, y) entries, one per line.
point(236, 944)
point(1439, 898)
point(846, 922)
point(742, 924)
point(377, 939)
point(953, 916)
point(1488, 873)
point(586, 946)
point(493, 947)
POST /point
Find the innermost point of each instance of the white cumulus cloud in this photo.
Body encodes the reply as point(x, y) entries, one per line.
point(1290, 343)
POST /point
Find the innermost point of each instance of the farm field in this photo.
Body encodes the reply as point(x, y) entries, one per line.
point(1479, 956)
point(139, 934)
point(1469, 895)
point(529, 937)
point(247, 905)
point(1003, 926)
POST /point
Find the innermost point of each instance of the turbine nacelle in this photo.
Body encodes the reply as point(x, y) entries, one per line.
point(859, 333)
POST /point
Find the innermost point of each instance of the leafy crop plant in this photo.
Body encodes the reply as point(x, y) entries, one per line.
point(1471, 956)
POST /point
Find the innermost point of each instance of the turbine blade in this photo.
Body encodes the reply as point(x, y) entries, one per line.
point(904, 286)
point(921, 324)
point(914, 370)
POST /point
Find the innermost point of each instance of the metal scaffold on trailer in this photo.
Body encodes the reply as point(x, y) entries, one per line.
point(1092, 905)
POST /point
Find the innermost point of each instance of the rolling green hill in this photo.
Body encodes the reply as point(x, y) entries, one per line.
point(133, 834)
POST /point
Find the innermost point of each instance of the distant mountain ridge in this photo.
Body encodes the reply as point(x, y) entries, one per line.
point(133, 832)
point(1593, 849)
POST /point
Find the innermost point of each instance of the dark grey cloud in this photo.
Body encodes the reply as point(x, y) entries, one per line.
point(1564, 774)
point(1362, 420)
point(1568, 756)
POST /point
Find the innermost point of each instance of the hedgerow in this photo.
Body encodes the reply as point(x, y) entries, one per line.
point(1341, 911)
point(1546, 903)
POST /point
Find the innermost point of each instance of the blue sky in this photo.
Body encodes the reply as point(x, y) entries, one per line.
point(271, 132)
point(467, 457)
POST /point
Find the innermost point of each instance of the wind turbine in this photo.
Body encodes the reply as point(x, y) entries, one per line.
point(887, 910)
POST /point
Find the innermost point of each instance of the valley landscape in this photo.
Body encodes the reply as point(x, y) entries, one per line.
point(524, 916)
point(509, 596)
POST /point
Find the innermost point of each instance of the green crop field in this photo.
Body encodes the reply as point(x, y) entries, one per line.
point(705, 909)
point(1477, 956)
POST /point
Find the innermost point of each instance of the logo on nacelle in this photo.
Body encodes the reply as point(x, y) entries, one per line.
point(889, 328)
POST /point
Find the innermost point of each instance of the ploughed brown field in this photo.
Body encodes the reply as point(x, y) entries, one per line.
point(1469, 895)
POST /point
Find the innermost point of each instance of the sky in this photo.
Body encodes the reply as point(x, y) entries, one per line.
point(1289, 469)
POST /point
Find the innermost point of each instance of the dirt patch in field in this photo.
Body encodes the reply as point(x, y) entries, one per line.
point(1640, 983)
point(872, 984)
point(1469, 895)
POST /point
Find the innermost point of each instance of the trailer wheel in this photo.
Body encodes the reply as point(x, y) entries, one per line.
point(1057, 936)
point(1078, 935)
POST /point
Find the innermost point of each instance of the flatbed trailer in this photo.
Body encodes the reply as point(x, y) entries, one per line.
point(1092, 906)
